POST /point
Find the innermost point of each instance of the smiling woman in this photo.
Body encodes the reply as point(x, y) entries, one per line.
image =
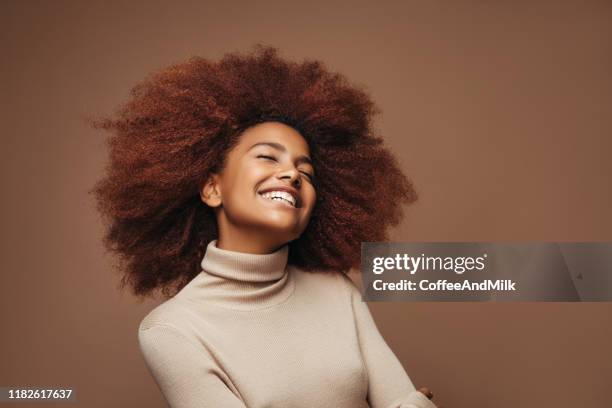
point(265, 194)
point(242, 190)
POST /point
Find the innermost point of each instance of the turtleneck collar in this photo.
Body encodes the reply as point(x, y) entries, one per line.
point(241, 281)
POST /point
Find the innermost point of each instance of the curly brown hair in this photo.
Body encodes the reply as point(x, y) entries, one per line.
point(177, 128)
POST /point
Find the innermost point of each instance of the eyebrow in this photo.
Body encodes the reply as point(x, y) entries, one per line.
point(280, 147)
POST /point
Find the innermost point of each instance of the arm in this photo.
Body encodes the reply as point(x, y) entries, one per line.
point(388, 384)
point(187, 375)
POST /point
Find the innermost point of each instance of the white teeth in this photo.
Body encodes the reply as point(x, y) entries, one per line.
point(280, 195)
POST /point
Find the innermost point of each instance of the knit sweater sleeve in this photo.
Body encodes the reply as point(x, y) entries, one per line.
point(187, 376)
point(388, 384)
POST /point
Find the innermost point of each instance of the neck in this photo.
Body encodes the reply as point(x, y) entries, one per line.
point(247, 239)
point(241, 281)
point(252, 245)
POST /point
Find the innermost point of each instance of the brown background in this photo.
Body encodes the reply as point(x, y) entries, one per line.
point(499, 112)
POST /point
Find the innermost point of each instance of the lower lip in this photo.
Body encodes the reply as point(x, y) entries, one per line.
point(278, 203)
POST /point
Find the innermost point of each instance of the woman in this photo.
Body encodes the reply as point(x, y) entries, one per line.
point(242, 190)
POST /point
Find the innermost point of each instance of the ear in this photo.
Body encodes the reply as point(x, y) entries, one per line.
point(211, 191)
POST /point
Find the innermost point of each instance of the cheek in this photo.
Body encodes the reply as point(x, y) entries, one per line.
point(254, 175)
point(246, 180)
point(234, 190)
point(310, 198)
point(241, 194)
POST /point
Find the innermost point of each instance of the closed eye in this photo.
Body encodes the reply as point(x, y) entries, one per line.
point(267, 157)
point(310, 176)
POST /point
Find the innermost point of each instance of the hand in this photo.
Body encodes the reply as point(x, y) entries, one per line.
point(427, 393)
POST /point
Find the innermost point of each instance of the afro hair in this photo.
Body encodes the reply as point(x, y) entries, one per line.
point(177, 128)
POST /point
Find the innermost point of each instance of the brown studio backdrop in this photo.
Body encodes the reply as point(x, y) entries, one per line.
point(499, 112)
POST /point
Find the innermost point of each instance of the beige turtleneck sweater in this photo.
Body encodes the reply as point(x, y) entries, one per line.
point(252, 331)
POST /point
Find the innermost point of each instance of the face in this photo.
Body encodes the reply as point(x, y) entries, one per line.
point(264, 196)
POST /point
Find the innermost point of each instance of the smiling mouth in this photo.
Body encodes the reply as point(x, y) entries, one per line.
point(280, 200)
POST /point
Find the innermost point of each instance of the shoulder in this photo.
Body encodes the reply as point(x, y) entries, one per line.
point(164, 329)
point(174, 312)
point(170, 319)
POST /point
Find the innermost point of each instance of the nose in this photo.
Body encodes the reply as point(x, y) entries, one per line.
point(293, 175)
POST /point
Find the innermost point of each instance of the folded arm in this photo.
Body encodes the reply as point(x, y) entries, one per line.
point(388, 384)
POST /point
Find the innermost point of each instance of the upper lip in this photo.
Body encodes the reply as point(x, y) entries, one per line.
point(294, 193)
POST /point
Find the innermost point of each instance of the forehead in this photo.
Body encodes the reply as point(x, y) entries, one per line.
point(273, 132)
